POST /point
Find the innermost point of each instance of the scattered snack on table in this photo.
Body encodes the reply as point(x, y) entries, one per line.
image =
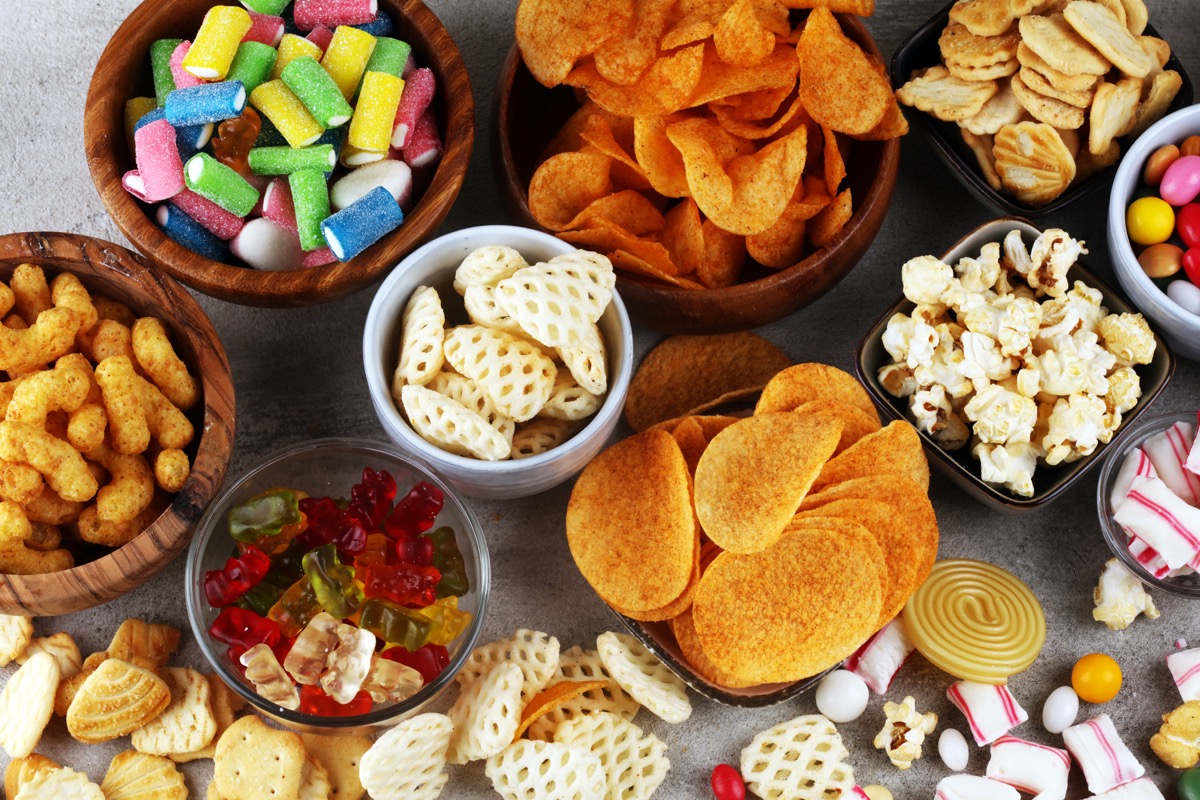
point(991, 710)
point(1185, 670)
point(116, 699)
point(1106, 761)
point(1188, 785)
point(803, 758)
point(26, 704)
point(61, 783)
point(1120, 597)
point(729, 146)
point(251, 755)
point(1041, 94)
point(842, 696)
point(15, 635)
point(645, 678)
point(1096, 678)
point(409, 761)
point(491, 389)
point(1060, 709)
point(904, 731)
point(132, 775)
point(279, 104)
point(881, 656)
point(1025, 383)
point(1029, 767)
point(952, 749)
point(1177, 742)
point(727, 784)
point(972, 787)
point(21, 771)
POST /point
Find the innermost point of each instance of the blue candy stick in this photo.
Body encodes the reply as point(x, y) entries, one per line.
point(191, 234)
point(362, 223)
point(208, 102)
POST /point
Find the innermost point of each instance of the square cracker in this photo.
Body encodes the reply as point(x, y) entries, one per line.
point(339, 755)
point(256, 762)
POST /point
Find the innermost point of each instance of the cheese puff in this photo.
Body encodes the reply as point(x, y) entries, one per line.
point(87, 424)
point(131, 488)
point(52, 335)
point(7, 300)
point(19, 483)
point(63, 388)
point(31, 292)
point(17, 559)
point(168, 425)
point(108, 338)
point(67, 292)
point(50, 509)
point(111, 309)
point(44, 537)
point(14, 525)
point(7, 390)
point(56, 425)
point(164, 368)
point(60, 464)
point(171, 469)
point(113, 534)
point(123, 404)
point(15, 322)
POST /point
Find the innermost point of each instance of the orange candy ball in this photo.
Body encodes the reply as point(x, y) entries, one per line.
point(1096, 678)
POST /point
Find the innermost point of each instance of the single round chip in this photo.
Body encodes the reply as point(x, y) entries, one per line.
point(797, 385)
point(894, 450)
point(856, 423)
point(684, 629)
point(577, 664)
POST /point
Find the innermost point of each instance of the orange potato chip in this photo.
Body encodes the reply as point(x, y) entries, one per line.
point(797, 385)
point(756, 105)
point(569, 138)
point(893, 123)
point(554, 34)
point(605, 235)
point(778, 69)
point(628, 210)
point(661, 162)
point(630, 263)
point(774, 16)
point(711, 424)
point(630, 524)
point(551, 698)
point(598, 133)
point(622, 60)
point(781, 245)
point(835, 165)
point(740, 38)
point(893, 450)
point(753, 475)
point(691, 440)
point(827, 223)
point(759, 185)
point(665, 87)
point(693, 652)
point(682, 235)
point(679, 604)
point(861, 8)
point(856, 423)
point(688, 30)
point(724, 254)
point(565, 185)
point(840, 87)
point(786, 122)
point(684, 372)
point(729, 398)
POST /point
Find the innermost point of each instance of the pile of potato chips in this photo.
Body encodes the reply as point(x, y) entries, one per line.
point(710, 130)
point(774, 545)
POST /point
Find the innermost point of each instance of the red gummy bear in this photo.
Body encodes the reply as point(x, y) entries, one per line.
point(231, 146)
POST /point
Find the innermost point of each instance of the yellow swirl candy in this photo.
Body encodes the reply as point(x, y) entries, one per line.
point(976, 621)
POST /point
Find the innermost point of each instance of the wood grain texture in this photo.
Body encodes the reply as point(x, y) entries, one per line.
point(112, 271)
point(526, 116)
point(123, 72)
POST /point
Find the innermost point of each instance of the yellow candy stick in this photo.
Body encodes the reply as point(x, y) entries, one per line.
point(346, 59)
point(375, 115)
point(287, 113)
point(292, 47)
point(217, 42)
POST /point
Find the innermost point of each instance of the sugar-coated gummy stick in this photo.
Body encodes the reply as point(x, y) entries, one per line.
point(153, 115)
point(419, 88)
point(362, 223)
point(310, 198)
point(265, 245)
point(318, 258)
point(321, 37)
point(264, 28)
point(332, 13)
point(346, 58)
point(191, 234)
point(132, 182)
point(371, 128)
point(212, 217)
point(425, 145)
point(354, 157)
point(217, 41)
point(380, 26)
point(286, 160)
point(395, 176)
point(277, 103)
point(277, 204)
point(309, 81)
point(210, 102)
point(390, 56)
point(158, 160)
point(135, 109)
point(161, 51)
point(272, 7)
point(292, 47)
point(252, 64)
point(183, 79)
point(222, 185)
point(192, 138)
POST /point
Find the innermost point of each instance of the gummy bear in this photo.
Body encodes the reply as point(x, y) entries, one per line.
point(241, 628)
point(374, 495)
point(377, 550)
point(446, 620)
point(295, 607)
point(347, 666)
point(313, 700)
point(415, 512)
point(430, 660)
point(260, 598)
point(231, 146)
point(332, 581)
point(403, 584)
point(264, 516)
point(394, 624)
point(239, 575)
point(346, 527)
point(306, 660)
point(269, 679)
point(391, 681)
point(448, 559)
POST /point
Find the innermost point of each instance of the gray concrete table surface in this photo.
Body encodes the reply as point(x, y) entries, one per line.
point(298, 375)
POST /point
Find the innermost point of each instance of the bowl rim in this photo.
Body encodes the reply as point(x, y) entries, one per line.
point(195, 600)
point(301, 287)
point(385, 407)
point(1114, 536)
point(159, 543)
point(1125, 262)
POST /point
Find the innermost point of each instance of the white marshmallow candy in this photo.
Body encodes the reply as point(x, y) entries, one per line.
point(1186, 295)
point(264, 245)
point(1156, 515)
point(970, 787)
point(1032, 768)
point(393, 175)
point(1060, 710)
point(1141, 789)
point(991, 711)
point(1169, 453)
point(842, 696)
point(881, 657)
point(1185, 669)
point(1136, 465)
point(953, 750)
point(1104, 758)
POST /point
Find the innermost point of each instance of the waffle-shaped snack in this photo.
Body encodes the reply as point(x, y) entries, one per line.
point(466, 392)
point(515, 374)
point(644, 677)
point(487, 266)
point(634, 763)
point(534, 652)
point(452, 426)
point(486, 714)
point(540, 435)
point(530, 769)
point(422, 333)
point(409, 761)
point(802, 759)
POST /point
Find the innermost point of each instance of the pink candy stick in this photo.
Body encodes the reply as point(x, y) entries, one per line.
point(970, 787)
point(419, 88)
point(1136, 464)
point(1169, 451)
point(881, 656)
point(991, 711)
point(1154, 514)
point(183, 78)
point(1032, 768)
point(321, 37)
point(158, 161)
point(331, 13)
point(132, 181)
point(424, 146)
point(1106, 761)
point(277, 204)
point(1148, 558)
point(218, 221)
point(1185, 669)
point(318, 258)
point(1141, 789)
point(265, 28)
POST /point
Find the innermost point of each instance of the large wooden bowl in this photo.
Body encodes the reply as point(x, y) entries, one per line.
point(527, 115)
point(124, 72)
point(104, 268)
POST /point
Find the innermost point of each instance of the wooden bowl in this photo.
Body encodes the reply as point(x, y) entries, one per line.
point(124, 72)
point(526, 116)
point(105, 268)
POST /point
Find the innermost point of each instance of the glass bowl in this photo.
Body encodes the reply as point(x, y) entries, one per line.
point(1114, 535)
point(331, 467)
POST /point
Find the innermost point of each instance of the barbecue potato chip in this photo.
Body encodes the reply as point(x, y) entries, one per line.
point(840, 88)
point(665, 87)
point(827, 223)
point(740, 38)
point(554, 34)
point(658, 157)
point(684, 629)
point(624, 59)
point(799, 384)
point(577, 664)
point(679, 604)
point(565, 184)
point(894, 450)
point(856, 423)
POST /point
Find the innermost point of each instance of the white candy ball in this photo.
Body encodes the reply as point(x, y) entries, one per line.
point(953, 750)
point(1185, 295)
point(842, 696)
point(1062, 706)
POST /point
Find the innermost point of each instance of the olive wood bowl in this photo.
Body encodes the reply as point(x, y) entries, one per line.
point(107, 269)
point(527, 115)
point(123, 71)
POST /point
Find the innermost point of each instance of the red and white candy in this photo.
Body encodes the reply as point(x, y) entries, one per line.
point(1185, 669)
point(158, 162)
point(1141, 789)
point(991, 711)
point(1157, 516)
point(1104, 758)
point(971, 787)
point(881, 656)
point(183, 78)
point(1148, 558)
point(1192, 464)
point(1032, 768)
point(1136, 465)
point(1169, 451)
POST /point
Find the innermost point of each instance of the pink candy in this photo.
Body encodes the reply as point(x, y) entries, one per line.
point(991, 711)
point(419, 88)
point(1181, 182)
point(857, 793)
point(1169, 452)
point(321, 37)
point(970, 787)
point(277, 204)
point(1141, 789)
point(211, 216)
point(1148, 558)
point(881, 656)
point(1030, 767)
point(1104, 758)
point(424, 146)
point(318, 258)
point(331, 13)
point(183, 78)
point(1154, 514)
point(265, 28)
point(158, 162)
point(1136, 464)
point(132, 183)
point(1185, 669)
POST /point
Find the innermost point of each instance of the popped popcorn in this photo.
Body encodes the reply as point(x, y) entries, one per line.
point(1120, 597)
point(904, 732)
point(1128, 337)
point(925, 279)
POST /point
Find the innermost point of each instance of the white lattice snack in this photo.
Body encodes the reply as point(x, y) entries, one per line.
point(526, 770)
point(644, 677)
point(140, 776)
point(314, 780)
point(798, 760)
point(340, 756)
point(552, 305)
point(486, 714)
point(423, 328)
point(534, 652)
point(487, 266)
point(466, 392)
point(27, 703)
point(409, 761)
point(482, 309)
point(577, 664)
point(540, 435)
point(15, 635)
point(64, 650)
point(588, 362)
point(187, 723)
point(569, 400)
point(587, 266)
point(61, 784)
point(452, 426)
point(635, 763)
point(515, 374)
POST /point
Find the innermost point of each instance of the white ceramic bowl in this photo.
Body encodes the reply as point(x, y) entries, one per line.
point(434, 265)
point(1179, 327)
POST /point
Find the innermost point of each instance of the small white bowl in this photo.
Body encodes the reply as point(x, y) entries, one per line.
point(1179, 327)
point(434, 265)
